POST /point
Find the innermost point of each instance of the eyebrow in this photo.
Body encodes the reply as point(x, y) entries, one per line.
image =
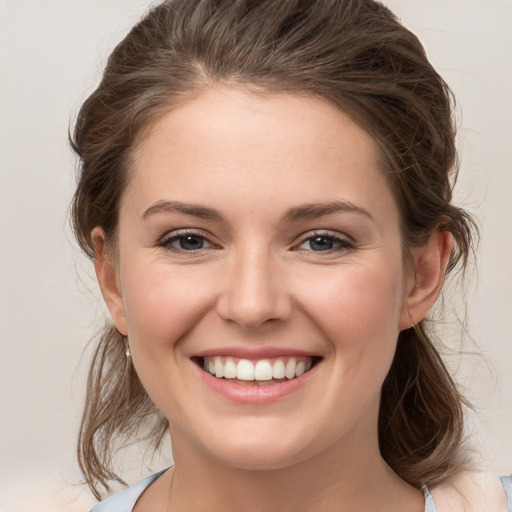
point(187, 209)
point(315, 210)
point(295, 214)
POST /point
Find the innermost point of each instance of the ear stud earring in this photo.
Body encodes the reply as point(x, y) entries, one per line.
point(412, 321)
point(127, 347)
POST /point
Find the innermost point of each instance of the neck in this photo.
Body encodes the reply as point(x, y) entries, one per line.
point(353, 477)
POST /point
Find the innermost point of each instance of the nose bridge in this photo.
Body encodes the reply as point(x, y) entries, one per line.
point(255, 291)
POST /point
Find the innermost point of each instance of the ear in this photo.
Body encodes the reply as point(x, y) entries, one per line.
point(426, 280)
point(107, 275)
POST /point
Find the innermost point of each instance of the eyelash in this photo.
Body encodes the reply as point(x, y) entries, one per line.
point(167, 241)
point(340, 244)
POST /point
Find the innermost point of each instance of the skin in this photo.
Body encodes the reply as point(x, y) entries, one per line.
point(258, 281)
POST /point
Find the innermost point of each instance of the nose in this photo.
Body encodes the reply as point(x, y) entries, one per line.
point(254, 292)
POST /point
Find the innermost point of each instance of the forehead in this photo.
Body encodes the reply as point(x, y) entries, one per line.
point(229, 144)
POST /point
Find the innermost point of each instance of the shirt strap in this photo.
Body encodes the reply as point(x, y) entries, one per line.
point(430, 506)
point(506, 481)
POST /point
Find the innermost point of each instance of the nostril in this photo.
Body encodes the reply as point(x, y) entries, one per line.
point(253, 297)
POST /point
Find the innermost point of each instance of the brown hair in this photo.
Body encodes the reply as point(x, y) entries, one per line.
point(353, 53)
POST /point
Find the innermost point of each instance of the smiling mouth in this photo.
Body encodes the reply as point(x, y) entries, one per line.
point(261, 372)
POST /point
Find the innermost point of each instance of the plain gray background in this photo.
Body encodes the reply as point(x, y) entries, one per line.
point(51, 54)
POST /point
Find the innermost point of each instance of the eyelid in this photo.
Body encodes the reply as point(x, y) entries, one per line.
point(346, 242)
point(164, 241)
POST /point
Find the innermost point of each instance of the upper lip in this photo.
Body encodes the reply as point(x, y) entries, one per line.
point(255, 352)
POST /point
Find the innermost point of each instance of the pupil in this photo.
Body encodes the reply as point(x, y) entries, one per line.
point(191, 243)
point(321, 243)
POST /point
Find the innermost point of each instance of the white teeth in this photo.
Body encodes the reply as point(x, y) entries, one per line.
point(263, 370)
point(230, 369)
point(245, 370)
point(219, 368)
point(290, 368)
point(278, 370)
point(300, 368)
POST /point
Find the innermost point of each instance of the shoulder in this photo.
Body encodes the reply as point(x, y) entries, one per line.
point(472, 491)
point(125, 500)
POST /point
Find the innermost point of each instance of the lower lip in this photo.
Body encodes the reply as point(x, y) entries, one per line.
point(253, 394)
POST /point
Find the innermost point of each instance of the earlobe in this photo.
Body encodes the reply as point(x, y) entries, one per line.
point(423, 289)
point(107, 275)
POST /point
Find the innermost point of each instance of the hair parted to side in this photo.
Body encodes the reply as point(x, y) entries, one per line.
point(353, 53)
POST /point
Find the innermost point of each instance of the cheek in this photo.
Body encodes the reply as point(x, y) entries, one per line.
point(161, 305)
point(358, 310)
point(360, 317)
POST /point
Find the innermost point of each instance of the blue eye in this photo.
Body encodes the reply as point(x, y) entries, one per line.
point(186, 242)
point(325, 243)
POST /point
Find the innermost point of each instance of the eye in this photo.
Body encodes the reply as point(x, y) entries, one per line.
point(325, 243)
point(186, 242)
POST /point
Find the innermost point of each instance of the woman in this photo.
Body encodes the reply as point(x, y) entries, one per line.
point(265, 190)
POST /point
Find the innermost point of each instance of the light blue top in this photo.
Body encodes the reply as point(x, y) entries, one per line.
point(507, 485)
point(125, 500)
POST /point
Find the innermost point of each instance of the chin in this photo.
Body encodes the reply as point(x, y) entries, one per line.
point(263, 446)
point(258, 457)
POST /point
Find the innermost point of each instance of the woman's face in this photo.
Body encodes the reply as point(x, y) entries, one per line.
point(259, 238)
